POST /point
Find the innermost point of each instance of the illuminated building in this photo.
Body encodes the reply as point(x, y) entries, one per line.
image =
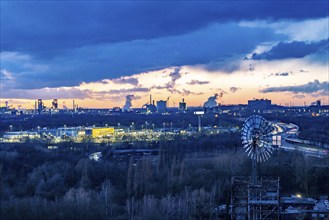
point(101, 132)
point(19, 135)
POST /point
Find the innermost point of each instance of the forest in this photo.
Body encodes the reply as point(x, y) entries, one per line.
point(188, 179)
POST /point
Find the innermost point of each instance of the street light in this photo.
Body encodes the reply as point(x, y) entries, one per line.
point(164, 127)
point(153, 126)
point(118, 125)
point(10, 128)
point(171, 127)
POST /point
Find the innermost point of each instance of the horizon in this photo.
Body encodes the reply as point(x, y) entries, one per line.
point(47, 104)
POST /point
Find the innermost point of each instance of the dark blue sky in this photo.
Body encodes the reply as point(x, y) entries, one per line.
point(50, 28)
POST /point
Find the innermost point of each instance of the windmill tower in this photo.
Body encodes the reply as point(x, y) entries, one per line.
point(255, 197)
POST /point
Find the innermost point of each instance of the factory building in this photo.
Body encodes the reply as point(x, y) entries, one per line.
point(64, 131)
point(151, 108)
point(316, 103)
point(40, 106)
point(76, 132)
point(161, 106)
point(182, 106)
point(19, 135)
point(54, 104)
point(259, 104)
point(100, 132)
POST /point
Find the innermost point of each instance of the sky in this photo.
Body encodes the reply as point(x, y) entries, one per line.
point(100, 52)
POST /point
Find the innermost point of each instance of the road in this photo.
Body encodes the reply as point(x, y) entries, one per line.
point(291, 142)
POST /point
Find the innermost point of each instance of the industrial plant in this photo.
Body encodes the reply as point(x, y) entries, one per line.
point(258, 106)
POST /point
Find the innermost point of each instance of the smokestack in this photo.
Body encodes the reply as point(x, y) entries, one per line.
point(55, 104)
point(153, 102)
point(150, 99)
point(73, 105)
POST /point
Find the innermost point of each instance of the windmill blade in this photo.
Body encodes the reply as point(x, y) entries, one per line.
point(248, 150)
point(256, 130)
point(262, 156)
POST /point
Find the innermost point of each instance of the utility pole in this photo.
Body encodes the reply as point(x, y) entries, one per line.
point(199, 114)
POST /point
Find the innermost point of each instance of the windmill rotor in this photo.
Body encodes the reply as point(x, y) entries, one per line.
point(256, 136)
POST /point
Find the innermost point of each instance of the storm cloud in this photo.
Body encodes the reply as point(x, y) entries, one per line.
point(295, 49)
point(126, 80)
point(309, 88)
point(73, 24)
point(98, 62)
point(47, 93)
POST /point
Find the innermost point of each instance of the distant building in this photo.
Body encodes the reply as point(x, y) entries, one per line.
point(182, 106)
point(150, 107)
point(161, 106)
point(316, 103)
point(215, 109)
point(116, 109)
point(100, 132)
point(72, 132)
point(259, 104)
point(40, 106)
point(19, 135)
point(54, 104)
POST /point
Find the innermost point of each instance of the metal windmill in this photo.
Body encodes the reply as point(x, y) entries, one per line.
point(250, 196)
point(257, 141)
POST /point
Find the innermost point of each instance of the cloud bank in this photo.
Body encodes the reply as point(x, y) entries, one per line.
point(315, 87)
point(295, 49)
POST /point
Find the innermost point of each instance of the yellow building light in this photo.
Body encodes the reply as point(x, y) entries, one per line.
point(102, 132)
